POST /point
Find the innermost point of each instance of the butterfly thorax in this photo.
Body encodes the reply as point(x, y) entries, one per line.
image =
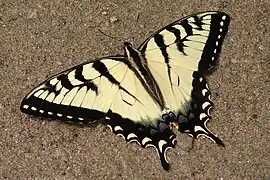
point(133, 56)
point(141, 70)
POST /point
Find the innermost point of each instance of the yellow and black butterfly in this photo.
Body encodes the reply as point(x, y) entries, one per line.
point(146, 92)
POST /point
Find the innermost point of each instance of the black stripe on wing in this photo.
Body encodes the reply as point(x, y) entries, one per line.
point(198, 22)
point(178, 41)
point(161, 137)
point(102, 69)
point(63, 78)
point(188, 28)
point(161, 44)
point(79, 76)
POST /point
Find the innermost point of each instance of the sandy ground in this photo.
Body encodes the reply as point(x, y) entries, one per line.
point(40, 38)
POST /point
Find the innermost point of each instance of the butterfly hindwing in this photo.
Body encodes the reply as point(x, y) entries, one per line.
point(199, 113)
point(160, 136)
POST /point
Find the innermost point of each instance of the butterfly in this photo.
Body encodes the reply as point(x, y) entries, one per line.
point(147, 92)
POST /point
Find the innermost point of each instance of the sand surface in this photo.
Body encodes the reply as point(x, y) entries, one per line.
point(40, 38)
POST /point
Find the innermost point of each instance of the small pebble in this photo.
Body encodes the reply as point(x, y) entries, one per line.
point(113, 19)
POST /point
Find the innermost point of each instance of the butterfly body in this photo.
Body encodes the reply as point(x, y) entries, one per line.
point(146, 92)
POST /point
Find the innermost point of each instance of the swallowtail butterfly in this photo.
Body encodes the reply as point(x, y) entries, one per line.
point(146, 92)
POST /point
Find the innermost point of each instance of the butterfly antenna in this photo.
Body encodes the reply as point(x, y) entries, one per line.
point(137, 20)
point(136, 24)
point(114, 38)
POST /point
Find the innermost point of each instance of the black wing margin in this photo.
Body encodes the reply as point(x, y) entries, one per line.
point(218, 30)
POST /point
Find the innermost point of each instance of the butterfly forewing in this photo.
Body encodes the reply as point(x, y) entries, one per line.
point(87, 92)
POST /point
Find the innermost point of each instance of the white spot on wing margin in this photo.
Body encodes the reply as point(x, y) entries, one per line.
point(25, 106)
point(204, 91)
point(131, 135)
point(199, 128)
point(34, 108)
point(117, 128)
point(110, 127)
point(224, 17)
point(202, 115)
point(161, 143)
point(146, 140)
point(59, 115)
point(205, 104)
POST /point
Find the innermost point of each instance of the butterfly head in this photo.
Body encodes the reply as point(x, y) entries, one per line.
point(128, 49)
point(132, 54)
